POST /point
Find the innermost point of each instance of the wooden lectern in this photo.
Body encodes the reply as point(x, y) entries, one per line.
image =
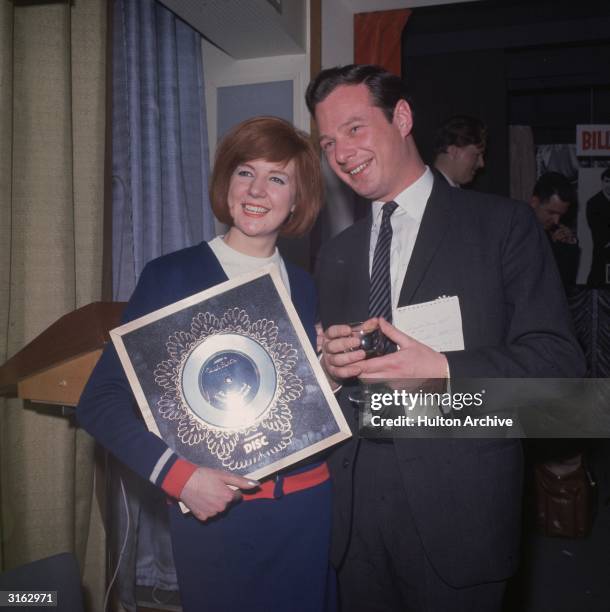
point(55, 366)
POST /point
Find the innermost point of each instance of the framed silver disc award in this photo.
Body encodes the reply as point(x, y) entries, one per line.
point(228, 378)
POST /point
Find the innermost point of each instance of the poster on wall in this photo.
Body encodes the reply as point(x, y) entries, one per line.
point(594, 226)
point(593, 140)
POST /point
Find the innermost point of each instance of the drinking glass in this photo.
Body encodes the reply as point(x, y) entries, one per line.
point(372, 341)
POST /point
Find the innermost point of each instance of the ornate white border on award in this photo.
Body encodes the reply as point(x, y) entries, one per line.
point(228, 378)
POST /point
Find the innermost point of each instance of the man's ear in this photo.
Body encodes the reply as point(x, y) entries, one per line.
point(534, 202)
point(453, 151)
point(403, 118)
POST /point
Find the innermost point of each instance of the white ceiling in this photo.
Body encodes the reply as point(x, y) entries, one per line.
point(367, 6)
point(247, 28)
point(254, 28)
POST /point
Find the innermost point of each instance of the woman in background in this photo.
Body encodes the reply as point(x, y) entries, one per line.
point(243, 546)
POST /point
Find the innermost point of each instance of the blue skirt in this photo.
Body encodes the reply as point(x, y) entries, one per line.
point(267, 555)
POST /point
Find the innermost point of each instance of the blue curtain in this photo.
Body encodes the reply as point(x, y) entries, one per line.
point(160, 204)
point(159, 150)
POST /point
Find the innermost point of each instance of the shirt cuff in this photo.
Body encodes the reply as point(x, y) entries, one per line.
point(177, 477)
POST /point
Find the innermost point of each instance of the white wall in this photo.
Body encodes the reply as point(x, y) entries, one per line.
point(337, 33)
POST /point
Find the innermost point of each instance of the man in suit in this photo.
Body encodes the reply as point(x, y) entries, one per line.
point(427, 524)
point(459, 149)
point(598, 218)
point(552, 199)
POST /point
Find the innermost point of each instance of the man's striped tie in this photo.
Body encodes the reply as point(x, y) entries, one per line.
point(380, 293)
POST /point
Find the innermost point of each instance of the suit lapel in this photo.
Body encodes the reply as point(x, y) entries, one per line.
point(357, 269)
point(434, 225)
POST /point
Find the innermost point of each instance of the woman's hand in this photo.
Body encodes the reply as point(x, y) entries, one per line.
point(208, 492)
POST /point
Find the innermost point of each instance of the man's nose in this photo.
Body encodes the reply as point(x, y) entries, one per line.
point(343, 152)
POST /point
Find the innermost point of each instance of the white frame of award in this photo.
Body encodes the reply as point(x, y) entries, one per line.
point(289, 458)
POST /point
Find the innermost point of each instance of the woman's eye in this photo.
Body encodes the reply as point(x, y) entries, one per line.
point(278, 180)
point(244, 173)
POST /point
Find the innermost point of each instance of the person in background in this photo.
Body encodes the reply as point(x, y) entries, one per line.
point(426, 524)
point(552, 200)
point(244, 545)
point(598, 218)
point(459, 149)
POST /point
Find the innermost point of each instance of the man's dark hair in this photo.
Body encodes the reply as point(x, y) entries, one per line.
point(554, 183)
point(606, 174)
point(460, 131)
point(386, 89)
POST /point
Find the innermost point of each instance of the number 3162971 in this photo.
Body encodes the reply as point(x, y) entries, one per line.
point(45, 598)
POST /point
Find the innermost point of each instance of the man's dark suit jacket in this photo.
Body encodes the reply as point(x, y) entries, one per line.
point(464, 494)
point(567, 258)
point(598, 218)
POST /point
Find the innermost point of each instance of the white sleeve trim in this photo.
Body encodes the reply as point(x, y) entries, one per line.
point(163, 459)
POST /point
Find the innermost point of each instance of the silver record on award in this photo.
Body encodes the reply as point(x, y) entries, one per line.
point(229, 387)
point(229, 381)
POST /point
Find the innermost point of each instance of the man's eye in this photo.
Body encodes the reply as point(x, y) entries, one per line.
point(355, 128)
point(328, 145)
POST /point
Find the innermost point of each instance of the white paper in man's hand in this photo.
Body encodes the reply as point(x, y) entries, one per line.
point(438, 324)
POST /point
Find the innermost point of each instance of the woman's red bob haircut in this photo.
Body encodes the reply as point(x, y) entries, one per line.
point(274, 140)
